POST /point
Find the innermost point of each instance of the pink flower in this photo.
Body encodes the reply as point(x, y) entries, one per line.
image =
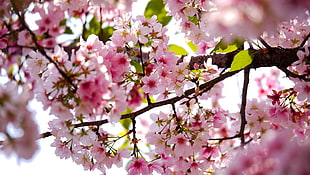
point(156, 166)
point(94, 92)
point(91, 45)
point(138, 166)
point(151, 84)
point(207, 151)
point(181, 144)
point(181, 164)
point(49, 42)
point(175, 6)
point(119, 156)
point(303, 89)
point(219, 119)
point(141, 31)
point(275, 97)
point(23, 134)
point(61, 111)
point(134, 97)
point(158, 141)
point(119, 66)
point(36, 63)
point(62, 149)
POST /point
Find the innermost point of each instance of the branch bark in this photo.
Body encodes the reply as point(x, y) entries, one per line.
point(207, 85)
point(275, 56)
point(243, 104)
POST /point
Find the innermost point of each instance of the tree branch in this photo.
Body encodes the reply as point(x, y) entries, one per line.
point(226, 138)
point(291, 74)
point(243, 104)
point(43, 52)
point(304, 41)
point(150, 106)
point(264, 43)
point(274, 57)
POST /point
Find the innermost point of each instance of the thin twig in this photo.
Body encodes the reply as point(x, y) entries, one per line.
point(43, 52)
point(304, 41)
point(291, 74)
point(264, 43)
point(227, 138)
point(243, 104)
point(173, 100)
point(134, 138)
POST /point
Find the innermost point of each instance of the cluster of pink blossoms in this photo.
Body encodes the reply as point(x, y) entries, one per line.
point(278, 154)
point(17, 126)
point(183, 140)
point(203, 20)
point(101, 76)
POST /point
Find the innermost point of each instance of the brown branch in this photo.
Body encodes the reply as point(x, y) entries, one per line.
point(275, 57)
point(278, 57)
point(264, 43)
point(304, 41)
point(43, 52)
point(226, 138)
point(150, 106)
point(243, 104)
point(291, 74)
point(262, 58)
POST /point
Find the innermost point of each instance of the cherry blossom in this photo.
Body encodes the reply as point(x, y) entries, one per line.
point(20, 129)
point(138, 166)
point(303, 88)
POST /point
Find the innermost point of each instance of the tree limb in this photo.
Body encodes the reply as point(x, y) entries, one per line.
point(43, 52)
point(243, 104)
point(278, 57)
point(304, 41)
point(150, 106)
point(273, 57)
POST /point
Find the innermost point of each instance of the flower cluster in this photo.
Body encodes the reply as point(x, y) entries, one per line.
point(203, 20)
point(17, 125)
point(268, 82)
point(278, 154)
point(183, 141)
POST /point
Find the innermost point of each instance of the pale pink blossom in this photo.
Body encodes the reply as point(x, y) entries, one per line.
point(138, 167)
point(181, 145)
point(36, 63)
point(62, 149)
point(62, 112)
point(151, 84)
point(303, 89)
point(23, 133)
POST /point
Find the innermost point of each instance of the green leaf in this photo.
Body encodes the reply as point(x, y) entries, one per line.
point(125, 144)
point(137, 65)
point(192, 46)
point(125, 123)
point(193, 19)
point(224, 47)
point(94, 27)
point(157, 7)
point(68, 30)
point(151, 99)
point(106, 33)
point(241, 60)
point(63, 22)
point(178, 50)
